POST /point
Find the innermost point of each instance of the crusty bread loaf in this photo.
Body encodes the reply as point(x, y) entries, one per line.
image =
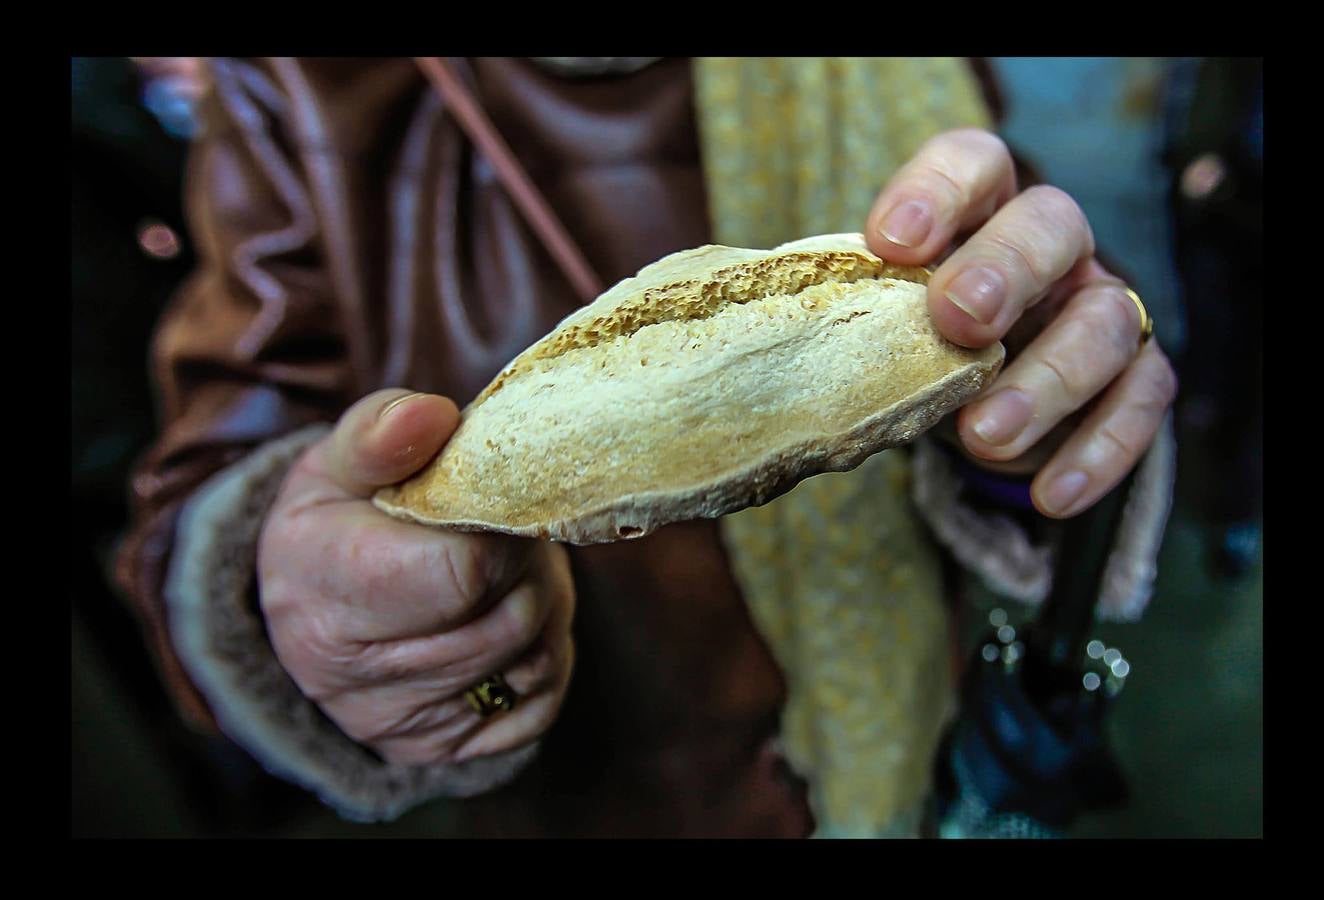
point(715, 379)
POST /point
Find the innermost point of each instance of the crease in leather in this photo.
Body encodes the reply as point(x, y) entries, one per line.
point(342, 243)
point(302, 229)
point(404, 192)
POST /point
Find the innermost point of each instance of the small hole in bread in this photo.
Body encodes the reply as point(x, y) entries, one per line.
point(626, 531)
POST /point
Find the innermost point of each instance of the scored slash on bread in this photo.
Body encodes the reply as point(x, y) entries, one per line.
point(715, 379)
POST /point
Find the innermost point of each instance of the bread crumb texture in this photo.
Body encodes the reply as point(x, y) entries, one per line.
point(713, 380)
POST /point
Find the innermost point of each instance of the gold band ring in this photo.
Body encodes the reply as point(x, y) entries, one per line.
point(1146, 320)
point(491, 695)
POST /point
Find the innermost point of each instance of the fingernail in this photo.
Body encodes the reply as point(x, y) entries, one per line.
point(1064, 491)
point(1004, 416)
point(979, 292)
point(908, 224)
point(396, 402)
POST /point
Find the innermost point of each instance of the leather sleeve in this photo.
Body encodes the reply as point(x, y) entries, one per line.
point(251, 348)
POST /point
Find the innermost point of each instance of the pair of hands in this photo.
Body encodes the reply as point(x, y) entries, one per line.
point(386, 624)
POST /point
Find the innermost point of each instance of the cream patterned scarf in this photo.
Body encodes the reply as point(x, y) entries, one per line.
point(839, 577)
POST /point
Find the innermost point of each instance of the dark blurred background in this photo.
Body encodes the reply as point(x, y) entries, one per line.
point(1165, 155)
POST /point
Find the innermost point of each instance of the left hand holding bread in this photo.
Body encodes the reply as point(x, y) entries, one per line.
point(1081, 397)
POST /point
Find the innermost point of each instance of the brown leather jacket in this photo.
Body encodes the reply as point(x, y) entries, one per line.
point(351, 240)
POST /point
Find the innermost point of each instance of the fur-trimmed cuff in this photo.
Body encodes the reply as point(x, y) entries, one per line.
point(222, 641)
point(999, 551)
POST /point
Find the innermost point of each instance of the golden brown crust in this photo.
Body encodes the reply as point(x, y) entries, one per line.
point(716, 379)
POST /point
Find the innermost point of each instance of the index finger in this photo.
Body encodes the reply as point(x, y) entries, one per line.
point(954, 183)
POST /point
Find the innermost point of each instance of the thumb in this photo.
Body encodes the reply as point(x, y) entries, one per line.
point(386, 437)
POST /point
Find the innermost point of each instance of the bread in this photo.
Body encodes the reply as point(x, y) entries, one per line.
point(715, 379)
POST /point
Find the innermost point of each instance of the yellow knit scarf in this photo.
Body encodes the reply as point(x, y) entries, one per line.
point(838, 574)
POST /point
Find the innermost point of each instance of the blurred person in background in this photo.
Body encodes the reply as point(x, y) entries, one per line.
point(129, 255)
point(1215, 116)
point(127, 239)
point(130, 252)
point(363, 273)
point(172, 87)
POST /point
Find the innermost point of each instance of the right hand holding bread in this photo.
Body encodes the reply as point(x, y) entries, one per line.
point(385, 624)
point(1083, 395)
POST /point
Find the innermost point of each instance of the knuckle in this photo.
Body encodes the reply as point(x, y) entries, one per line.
point(275, 592)
point(1056, 205)
point(1159, 387)
point(313, 634)
point(402, 724)
point(986, 143)
point(935, 175)
point(1072, 217)
point(1068, 376)
point(309, 650)
point(1016, 258)
point(1126, 444)
point(387, 662)
point(544, 665)
point(521, 621)
point(1110, 314)
point(441, 749)
point(950, 166)
point(1165, 378)
point(1053, 218)
point(978, 139)
point(460, 564)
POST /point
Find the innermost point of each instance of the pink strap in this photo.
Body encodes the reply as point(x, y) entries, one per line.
point(522, 190)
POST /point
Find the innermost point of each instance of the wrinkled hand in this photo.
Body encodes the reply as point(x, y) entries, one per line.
point(385, 624)
point(1079, 400)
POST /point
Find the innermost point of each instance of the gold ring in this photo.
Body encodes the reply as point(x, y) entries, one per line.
point(1146, 321)
point(491, 695)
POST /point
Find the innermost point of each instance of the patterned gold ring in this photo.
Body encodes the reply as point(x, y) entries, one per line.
point(1146, 320)
point(491, 695)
